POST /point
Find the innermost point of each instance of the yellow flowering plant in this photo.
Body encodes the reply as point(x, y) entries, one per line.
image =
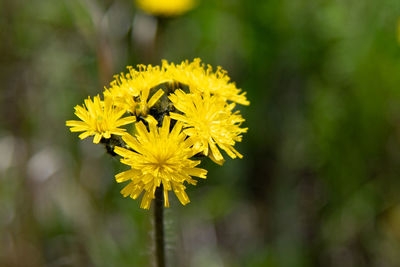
point(180, 114)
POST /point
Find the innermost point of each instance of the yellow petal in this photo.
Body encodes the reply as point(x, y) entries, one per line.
point(155, 98)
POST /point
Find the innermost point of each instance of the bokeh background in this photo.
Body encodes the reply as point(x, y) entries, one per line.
point(320, 181)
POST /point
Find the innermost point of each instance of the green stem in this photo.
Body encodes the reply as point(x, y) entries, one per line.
point(159, 227)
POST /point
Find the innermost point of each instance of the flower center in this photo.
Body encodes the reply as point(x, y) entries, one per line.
point(100, 124)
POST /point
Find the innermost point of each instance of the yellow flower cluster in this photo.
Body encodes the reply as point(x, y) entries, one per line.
point(178, 112)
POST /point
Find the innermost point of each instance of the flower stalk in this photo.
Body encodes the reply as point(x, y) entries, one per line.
point(159, 227)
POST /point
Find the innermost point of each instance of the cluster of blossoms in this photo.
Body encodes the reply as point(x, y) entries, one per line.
point(180, 114)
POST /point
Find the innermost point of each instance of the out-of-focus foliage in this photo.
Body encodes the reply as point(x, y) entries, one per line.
point(320, 181)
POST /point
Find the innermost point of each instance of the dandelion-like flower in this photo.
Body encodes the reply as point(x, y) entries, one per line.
point(202, 79)
point(158, 156)
point(209, 121)
point(132, 90)
point(165, 7)
point(99, 118)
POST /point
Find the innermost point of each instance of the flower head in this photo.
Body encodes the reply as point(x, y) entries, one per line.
point(99, 118)
point(132, 90)
point(165, 7)
point(158, 156)
point(209, 121)
point(202, 79)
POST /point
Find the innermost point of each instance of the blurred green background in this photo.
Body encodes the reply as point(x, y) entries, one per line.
point(320, 181)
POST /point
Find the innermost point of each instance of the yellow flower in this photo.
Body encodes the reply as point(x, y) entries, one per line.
point(165, 7)
point(99, 118)
point(132, 90)
point(209, 121)
point(158, 156)
point(200, 79)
